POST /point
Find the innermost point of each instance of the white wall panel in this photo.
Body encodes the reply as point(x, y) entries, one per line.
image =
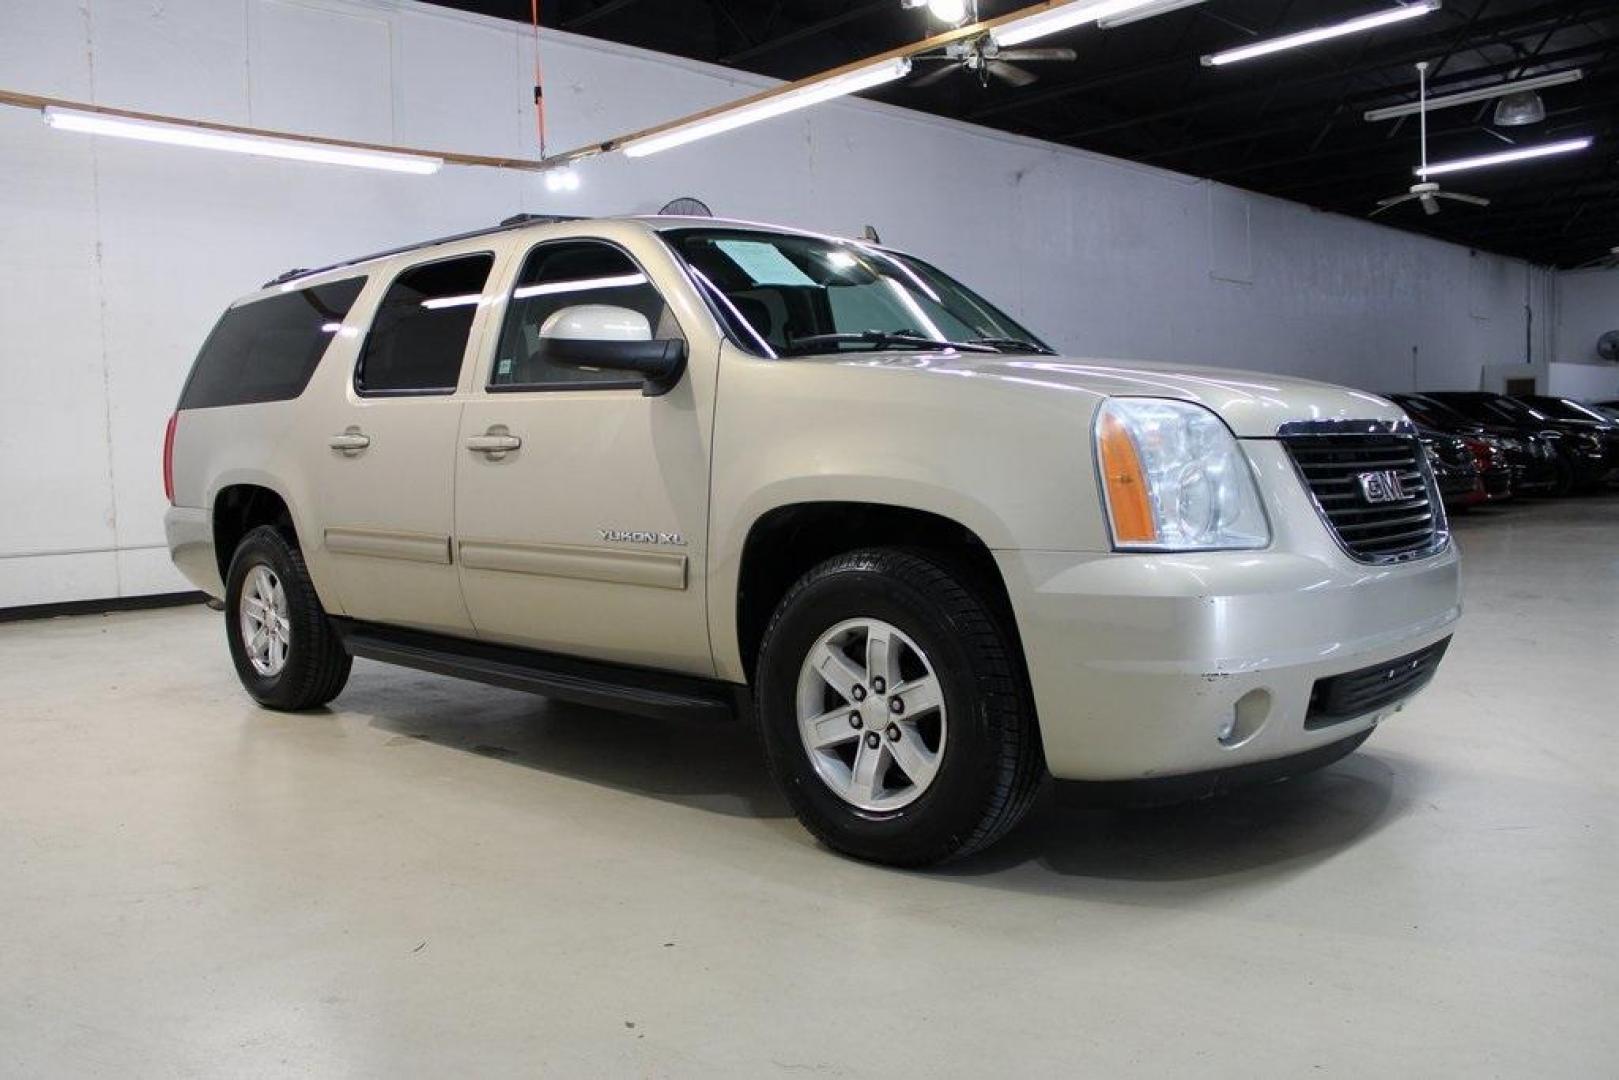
point(1587, 308)
point(180, 59)
point(319, 69)
point(55, 491)
point(120, 256)
point(1589, 382)
point(44, 48)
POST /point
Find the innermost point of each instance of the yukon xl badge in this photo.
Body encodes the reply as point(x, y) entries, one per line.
point(1382, 487)
point(638, 536)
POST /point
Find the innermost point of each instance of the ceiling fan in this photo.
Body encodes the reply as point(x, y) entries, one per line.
point(987, 60)
point(1424, 190)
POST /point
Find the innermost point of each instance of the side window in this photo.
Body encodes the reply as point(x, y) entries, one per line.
point(419, 334)
point(581, 289)
point(266, 350)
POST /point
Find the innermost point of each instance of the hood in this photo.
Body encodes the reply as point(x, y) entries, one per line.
point(1253, 404)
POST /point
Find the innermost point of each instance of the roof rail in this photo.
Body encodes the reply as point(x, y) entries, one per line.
point(516, 221)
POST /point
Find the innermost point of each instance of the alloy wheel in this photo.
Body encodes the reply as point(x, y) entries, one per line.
point(266, 627)
point(871, 715)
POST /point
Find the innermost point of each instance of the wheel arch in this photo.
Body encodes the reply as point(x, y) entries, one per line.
point(785, 541)
point(238, 508)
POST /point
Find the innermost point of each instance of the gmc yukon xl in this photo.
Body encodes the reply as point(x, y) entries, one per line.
point(689, 467)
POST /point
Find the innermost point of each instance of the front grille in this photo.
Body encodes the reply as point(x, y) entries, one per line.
point(1332, 466)
point(1356, 693)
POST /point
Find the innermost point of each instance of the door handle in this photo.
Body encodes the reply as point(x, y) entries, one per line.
point(351, 442)
point(497, 442)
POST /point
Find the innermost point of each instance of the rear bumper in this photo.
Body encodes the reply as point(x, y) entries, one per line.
point(1138, 663)
point(190, 533)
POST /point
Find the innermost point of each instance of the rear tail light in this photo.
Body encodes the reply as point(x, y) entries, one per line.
point(168, 458)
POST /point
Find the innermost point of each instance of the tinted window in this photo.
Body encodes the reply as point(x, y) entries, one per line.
point(564, 275)
point(267, 350)
point(420, 332)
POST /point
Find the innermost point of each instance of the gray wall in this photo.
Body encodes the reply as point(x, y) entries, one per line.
point(1587, 308)
point(120, 255)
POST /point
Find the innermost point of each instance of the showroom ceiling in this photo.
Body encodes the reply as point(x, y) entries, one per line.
point(1289, 125)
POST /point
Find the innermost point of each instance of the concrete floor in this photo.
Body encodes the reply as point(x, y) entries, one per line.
point(442, 879)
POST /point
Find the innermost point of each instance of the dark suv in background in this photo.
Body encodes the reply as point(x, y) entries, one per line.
point(1587, 447)
point(1523, 462)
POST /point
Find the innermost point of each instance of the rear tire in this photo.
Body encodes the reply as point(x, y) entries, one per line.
point(949, 779)
point(286, 652)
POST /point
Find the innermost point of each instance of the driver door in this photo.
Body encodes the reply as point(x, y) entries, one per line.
point(581, 504)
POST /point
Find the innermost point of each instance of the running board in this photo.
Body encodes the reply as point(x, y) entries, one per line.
point(567, 678)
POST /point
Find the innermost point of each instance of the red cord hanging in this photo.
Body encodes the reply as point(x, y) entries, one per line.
point(539, 80)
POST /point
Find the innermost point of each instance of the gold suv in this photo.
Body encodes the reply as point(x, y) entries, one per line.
point(683, 466)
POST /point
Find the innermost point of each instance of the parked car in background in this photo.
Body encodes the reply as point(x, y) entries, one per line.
point(1584, 417)
point(1494, 470)
point(1585, 453)
point(1610, 409)
point(1531, 459)
point(1455, 470)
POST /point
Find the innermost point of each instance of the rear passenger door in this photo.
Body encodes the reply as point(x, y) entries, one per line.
point(384, 472)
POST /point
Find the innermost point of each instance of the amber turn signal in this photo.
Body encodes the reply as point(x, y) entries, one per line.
point(1128, 504)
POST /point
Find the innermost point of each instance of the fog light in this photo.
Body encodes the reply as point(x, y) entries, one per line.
point(1248, 714)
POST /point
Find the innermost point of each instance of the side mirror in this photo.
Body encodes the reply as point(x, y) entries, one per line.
point(614, 339)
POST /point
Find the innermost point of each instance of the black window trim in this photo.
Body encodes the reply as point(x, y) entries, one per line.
point(554, 387)
point(432, 391)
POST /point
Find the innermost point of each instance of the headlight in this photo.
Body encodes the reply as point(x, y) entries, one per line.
point(1174, 478)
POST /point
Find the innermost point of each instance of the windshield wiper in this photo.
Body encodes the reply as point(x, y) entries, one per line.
point(885, 339)
point(1002, 344)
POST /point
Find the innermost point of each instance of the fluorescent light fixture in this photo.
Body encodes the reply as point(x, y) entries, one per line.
point(1324, 33)
point(95, 123)
point(1161, 7)
point(1524, 153)
point(1054, 20)
point(850, 82)
point(551, 288)
point(1471, 97)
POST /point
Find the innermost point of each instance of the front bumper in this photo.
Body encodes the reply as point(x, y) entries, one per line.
point(1138, 662)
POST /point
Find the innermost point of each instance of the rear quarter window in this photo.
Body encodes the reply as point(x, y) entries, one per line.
point(267, 350)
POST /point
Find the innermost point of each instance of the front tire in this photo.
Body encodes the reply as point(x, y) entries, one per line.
point(286, 652)
point(893, 711)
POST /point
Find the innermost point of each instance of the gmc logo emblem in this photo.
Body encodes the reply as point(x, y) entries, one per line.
point(1382, 487)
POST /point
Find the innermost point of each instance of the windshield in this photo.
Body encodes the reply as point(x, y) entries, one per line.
point(1494, 409)
point(1563, 409)
point(785, 294)
point(1434, 414)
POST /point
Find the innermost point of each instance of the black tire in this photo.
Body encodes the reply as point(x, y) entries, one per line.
point(317, 666)
point(992, 765)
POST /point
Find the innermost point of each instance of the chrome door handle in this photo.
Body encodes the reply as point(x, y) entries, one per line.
point(496, 443)
point(350, 442)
